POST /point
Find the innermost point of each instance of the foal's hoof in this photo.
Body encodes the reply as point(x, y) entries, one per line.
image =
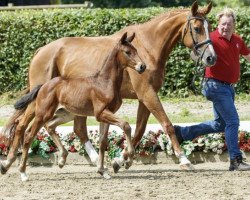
point(115, 166)
point(61, 163)
point(187, 167)
point(104, 174)
point(62, 160)
point(3, 169)
point(128, 164)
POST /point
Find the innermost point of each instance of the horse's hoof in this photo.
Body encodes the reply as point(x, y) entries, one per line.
point(3, 169)
point(187, 167)
point(24, 177)
point(115, 166)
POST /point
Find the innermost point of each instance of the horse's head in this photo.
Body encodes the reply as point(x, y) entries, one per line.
point(128, 56)
point(195, 35)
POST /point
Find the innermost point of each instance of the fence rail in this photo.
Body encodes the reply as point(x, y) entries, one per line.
point(11, 7)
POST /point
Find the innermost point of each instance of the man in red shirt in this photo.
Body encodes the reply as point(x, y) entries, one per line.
point(218, 88)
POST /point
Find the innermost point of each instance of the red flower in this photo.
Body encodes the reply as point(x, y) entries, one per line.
point(72, 149)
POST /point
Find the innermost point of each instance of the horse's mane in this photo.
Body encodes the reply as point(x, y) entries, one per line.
point(168, 14)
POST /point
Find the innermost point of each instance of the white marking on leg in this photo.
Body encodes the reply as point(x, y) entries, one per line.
point(24, 176)
point(182, 158)
point(93, 155)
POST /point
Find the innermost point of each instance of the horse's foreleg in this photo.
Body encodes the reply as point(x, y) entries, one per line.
point(80, 129)
point(141, 123)
point(19, 133)
point(103, 141)
point(153, 104)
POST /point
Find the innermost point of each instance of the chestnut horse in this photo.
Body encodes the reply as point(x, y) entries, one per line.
point(96, 96)
point(82, 57)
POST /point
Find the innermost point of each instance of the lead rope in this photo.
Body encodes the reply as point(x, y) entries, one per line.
point(200, 72)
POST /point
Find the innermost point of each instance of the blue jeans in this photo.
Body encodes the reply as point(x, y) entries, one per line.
point(226, 118)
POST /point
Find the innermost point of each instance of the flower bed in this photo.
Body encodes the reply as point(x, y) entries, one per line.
point(150, 143)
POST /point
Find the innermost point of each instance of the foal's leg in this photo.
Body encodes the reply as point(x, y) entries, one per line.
point(142, 117)
point(60, 117)
point(19, 133)
point(103, 140)
point(44, 112)
point(63, 153)
point(36, 126)
point(108, 117)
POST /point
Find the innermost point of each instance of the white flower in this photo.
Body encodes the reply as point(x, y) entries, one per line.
point(77, 145)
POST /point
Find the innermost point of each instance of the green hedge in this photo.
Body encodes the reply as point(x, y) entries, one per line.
point(22, 32)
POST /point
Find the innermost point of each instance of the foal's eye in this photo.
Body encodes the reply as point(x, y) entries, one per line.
point(197, 29)
point(128, 53)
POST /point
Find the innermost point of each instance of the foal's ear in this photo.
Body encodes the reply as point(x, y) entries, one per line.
point(207, 9)
point(131, 38)
point(194, 8)
point(124, 38)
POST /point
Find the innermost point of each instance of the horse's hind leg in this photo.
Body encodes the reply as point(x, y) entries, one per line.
point(80, 129)
point(19, 133)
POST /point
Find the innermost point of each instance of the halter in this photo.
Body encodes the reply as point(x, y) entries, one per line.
point(196, 44)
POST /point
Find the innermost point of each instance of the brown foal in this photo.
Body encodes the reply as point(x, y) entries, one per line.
point(97, 95)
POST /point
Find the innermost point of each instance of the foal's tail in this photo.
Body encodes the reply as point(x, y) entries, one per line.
point(8, 131)
point(26, 99)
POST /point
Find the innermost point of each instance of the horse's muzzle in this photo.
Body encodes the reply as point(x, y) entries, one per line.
point(141, 68)
point(211, 60)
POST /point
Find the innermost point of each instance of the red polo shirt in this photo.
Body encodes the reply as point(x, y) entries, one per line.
point(227, 67)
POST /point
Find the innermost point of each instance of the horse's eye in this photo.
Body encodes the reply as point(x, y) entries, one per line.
point(197, 29)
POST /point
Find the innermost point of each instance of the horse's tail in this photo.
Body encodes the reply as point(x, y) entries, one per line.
point(8, 131)
point(26, 99)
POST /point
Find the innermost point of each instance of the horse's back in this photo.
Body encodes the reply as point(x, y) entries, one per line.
point(73, 57)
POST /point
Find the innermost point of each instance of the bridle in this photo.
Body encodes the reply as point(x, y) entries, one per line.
point(197, 44)
point(200, 69)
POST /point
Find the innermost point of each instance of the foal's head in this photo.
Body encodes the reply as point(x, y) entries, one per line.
point(195, 34)
point(127, 55)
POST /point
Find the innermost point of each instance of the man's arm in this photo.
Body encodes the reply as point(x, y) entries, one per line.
point(247, 57)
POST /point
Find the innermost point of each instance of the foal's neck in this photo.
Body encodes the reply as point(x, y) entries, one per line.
point(111, 69)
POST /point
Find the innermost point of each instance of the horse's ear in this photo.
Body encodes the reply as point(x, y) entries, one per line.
point(194, 8)
point(131, 38)
point(124, 38)
point(208, 8)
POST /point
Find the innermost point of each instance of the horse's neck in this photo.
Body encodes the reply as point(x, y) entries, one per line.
point(160, 36)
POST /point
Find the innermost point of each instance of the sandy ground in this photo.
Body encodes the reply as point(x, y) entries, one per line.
point(209, 181)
